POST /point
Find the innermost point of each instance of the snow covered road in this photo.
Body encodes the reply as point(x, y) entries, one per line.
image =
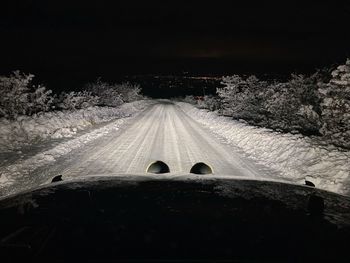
point(181, 135)
point(162, 132)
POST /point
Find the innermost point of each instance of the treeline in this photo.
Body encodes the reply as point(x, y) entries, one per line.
point(18, 96)
point(318, 104)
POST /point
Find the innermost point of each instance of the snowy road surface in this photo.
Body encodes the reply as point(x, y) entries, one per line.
point(162, 132)
point(179, 135)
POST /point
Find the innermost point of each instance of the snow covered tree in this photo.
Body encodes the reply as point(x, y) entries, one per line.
point(294, 105)
point(18, 97)
point(253, 97)
point(242, 98)
point(229, 94)
point(336, 106)
point(14, 94)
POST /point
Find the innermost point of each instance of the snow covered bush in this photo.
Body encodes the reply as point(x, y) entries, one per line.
point(318, 104)
point(336, 106)
point(190, 99)
point(114, 95)
point(106, 94)
point(129, 92)
point(19, 97)
point(40, 100)
point(289, 106)
point(77, 100)
point(209, 102)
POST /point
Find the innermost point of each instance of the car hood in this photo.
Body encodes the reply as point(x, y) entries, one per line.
point(294, 196)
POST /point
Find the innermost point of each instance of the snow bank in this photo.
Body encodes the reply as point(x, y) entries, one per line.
point(28, 130)
point(296, 157)
point(22, 168)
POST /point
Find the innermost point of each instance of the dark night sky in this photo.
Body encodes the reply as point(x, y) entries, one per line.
point(81, 40)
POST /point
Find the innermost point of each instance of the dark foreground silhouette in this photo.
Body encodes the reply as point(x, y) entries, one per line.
point(143, 219)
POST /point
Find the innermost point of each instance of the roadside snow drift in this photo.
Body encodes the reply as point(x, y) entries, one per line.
point(28, 130)
point(296, 157)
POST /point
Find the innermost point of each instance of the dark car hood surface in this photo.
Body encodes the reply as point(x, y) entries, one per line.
point(178, 218)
